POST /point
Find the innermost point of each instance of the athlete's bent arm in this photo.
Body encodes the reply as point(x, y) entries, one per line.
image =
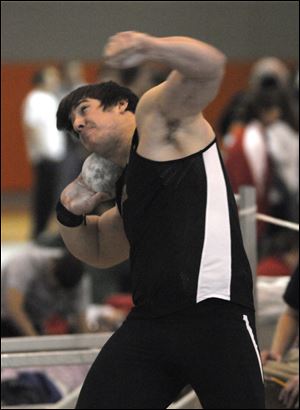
point(101, 242)
point(197, 69)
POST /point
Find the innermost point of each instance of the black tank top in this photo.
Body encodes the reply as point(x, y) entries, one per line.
point(182, 223)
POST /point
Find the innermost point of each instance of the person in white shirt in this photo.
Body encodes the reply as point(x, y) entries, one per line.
point(46, 146)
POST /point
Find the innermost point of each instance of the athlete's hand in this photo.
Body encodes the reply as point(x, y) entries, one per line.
point(127, 49)
point(79, 199)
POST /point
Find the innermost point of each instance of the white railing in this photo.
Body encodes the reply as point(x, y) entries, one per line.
point(279, 222)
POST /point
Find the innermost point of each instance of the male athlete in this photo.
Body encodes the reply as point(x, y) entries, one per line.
point(176, 219)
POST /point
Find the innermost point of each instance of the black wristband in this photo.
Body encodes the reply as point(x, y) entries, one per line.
point(67, 218)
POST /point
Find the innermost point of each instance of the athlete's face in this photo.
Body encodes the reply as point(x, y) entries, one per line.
point(97, 129)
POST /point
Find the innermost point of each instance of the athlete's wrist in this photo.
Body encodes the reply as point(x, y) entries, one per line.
point(67, 218)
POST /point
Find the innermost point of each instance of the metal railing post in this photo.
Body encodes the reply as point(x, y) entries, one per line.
point(247, 206)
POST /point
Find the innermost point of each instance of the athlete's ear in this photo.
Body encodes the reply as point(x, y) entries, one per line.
point(122, 105)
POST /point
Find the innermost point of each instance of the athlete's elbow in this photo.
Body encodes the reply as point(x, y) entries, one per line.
point(223, 59)
point(219, 66)
point(214, 71)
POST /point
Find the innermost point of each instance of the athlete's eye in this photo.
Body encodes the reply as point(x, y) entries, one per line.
point(83, 108)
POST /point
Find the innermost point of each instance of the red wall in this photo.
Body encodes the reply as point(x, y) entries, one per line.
point(16, 83)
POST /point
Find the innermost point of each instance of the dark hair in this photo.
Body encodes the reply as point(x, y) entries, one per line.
point(269, 82)
point(108, 93)
point(68, 270)
point(252, 104)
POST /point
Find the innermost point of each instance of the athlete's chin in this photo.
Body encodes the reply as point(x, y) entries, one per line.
point(92, 142)
point(100, 143)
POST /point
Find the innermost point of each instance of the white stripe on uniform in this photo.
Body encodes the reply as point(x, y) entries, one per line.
point(215, 268)
point(245, 318)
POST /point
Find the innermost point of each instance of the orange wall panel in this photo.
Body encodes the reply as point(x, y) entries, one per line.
point(15, 170)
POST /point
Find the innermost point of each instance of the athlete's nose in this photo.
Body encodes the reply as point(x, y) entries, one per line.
point(78, 123)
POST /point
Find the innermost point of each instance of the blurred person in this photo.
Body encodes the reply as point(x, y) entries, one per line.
point(283, 140)
point(282, 135)
point(268, 73)
point(43, 292)
point(46, 146)
point(282, 360)
point(262, 149)
point(264, 153)
point(193, 321)
point(283, 149)
point(73, 76)
point(247, 160)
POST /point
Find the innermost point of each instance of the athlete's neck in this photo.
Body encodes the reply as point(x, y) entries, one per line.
point(121, 152)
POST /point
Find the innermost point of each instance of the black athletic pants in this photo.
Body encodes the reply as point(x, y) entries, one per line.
point(147, 362)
